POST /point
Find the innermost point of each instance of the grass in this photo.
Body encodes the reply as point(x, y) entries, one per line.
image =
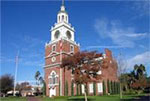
point(97, 98)
point(13, 99)
point(64, 98)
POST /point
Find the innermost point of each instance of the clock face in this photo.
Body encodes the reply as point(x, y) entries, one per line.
point(53, 59)
point(57, 34)
point(68, 34)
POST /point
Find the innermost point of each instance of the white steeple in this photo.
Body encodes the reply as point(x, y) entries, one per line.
point(62, 15)
point(62, 29)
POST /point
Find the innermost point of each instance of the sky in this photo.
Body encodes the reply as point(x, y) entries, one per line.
point(121, 26)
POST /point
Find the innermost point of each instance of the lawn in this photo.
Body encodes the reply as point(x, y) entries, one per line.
point(97, 98)
point(63, 98)
point(13, 99)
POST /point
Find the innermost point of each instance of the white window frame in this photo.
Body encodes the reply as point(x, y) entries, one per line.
point(53, 47)
point(100, 87)
point(51, 78)
point(71, 48)
point(91, 88)
point(83, 89)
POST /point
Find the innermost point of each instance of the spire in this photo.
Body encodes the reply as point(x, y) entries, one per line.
point(62, 2)
point(62, 6)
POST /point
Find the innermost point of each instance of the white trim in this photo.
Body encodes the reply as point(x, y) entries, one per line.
point(100, 87)
point(71, 46)
point(83, 89)
point(55, 41)
point(91, 88)
point(54, 45)
point(52, 65)
point(57, 53)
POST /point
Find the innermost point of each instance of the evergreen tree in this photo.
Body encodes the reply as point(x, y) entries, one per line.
point(111, 83)
point(59, 88)
point(80, 90)
point(72, 89)
point(94, 88)
point(44, 88)
point(117, 87)
point(115, 91)
point(86, 89)
point(108, 86)
point(66, 89)
point(104, 88)
point(77, 90)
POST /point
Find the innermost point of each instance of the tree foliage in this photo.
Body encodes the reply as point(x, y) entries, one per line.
point(104, 88)
point(84, 66)
point(39, 80)
point(23, 86)
point(6, 83)
point(136, 79)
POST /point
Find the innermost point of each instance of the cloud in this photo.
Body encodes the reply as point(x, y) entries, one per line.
point(141, 7)
point(119, 35)
point(143, 58)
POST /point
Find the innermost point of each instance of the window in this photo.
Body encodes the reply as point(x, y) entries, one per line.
point(71, 48)
point(59, 18)
point(62, 17)
point(53, 78)
point(54, 48)
point(57, 34)
point(66, 18)
point(100, 87)
point(83, 89)
point(68, 34)
point(91, 88)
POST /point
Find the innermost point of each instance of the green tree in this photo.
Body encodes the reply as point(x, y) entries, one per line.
point(39, 80)
point(108, 86)
point(115, 87)
point(6, 83)
point(111, 83)
point(59, 88)
point(66, 89)
point(44, 88)
point(80, 90)
point(94, 88)
point(104, 88)
point(77, 89)
point(72, 89)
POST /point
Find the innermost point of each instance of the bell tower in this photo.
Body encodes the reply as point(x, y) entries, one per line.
point(62, 44)
point(62, 29)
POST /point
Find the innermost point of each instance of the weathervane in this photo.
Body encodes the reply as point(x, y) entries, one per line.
point(63, 2)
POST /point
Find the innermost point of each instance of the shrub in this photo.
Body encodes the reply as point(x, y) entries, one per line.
point(72, 89)
point(104, 88)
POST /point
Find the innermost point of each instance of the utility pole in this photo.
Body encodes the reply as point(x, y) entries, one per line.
point(16, 62)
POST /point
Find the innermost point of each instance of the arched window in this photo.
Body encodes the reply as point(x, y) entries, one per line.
point(62, 17)
point(59, 18)
point(53, 78)
point(66, 18)
point(68, 34)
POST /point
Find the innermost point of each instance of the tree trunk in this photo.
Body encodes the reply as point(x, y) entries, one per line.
point(85, 96)
point(120, 91)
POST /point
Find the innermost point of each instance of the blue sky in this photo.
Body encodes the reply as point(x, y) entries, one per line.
point(121, 26)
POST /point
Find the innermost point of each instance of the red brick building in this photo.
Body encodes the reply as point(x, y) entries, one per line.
point(63, 44)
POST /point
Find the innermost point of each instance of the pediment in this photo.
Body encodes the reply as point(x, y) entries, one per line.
point(52, 54)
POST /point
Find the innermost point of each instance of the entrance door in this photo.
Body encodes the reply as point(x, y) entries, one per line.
point(52, 92)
